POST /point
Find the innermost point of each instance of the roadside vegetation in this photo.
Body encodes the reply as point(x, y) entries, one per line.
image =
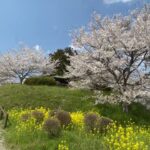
point(42, 128)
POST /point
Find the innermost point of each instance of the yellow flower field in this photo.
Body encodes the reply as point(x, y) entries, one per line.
point(24, 125)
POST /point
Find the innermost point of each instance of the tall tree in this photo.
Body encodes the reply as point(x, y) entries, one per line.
point(62, 57)
point(22, 63)
point(114, 53)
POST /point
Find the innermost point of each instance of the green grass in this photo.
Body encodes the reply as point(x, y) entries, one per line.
point(23, 96)
point(52, 97)
point(137, 113)
point(40, 141)
point(76, 137)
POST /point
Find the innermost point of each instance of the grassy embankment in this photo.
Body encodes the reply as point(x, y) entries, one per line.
point(21, 96)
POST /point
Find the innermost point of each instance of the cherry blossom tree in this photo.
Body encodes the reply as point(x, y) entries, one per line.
point(22, 63)
point(113, 52)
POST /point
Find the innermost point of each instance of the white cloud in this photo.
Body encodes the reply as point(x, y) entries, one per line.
point(116, 1)
point(37, 47)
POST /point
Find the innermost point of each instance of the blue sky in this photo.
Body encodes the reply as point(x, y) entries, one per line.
point(48, 22)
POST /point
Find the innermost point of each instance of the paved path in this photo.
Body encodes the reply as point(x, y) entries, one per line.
point(1, 140)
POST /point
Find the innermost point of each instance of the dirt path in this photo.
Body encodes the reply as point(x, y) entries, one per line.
point(2, 147)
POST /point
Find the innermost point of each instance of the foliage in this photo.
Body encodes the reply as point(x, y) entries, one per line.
point(39, 116)
point(90, 121)
point(114, 54)
point(40, 80)
point(138, 113)
point(25, 116)
point(77, 119)
point(52, 127)
point(63, 146)
point(30, 135)
point(64, 118)
point(22, 63)
point(102, 124)
point(16, 96)
point(62, 57)
point(23, 124)
point(130, 137)
point(96, 123)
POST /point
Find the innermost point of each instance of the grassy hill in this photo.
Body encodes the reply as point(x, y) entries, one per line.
point(47, 96)
point(72, 100)
point(54, 97)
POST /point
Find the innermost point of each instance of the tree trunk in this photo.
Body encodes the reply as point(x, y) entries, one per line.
point(21, 80)
point(125, 107)
point(125, 104)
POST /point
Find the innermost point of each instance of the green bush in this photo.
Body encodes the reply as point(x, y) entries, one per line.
point(52, 127)
point(41, 80)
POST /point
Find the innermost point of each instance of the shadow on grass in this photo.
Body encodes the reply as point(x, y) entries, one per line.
point(137, 113)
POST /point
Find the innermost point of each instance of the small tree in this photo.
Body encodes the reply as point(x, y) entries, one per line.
point(114, 53)
point(22, 63)
point(62, 57)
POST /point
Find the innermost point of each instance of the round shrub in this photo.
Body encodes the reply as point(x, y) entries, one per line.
point(53, 113)
point(52, 127)
point(90, 120)
point(41, 80)
point(64, 118)
point(102, 124)
point(25, 117)
point(39, 116)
